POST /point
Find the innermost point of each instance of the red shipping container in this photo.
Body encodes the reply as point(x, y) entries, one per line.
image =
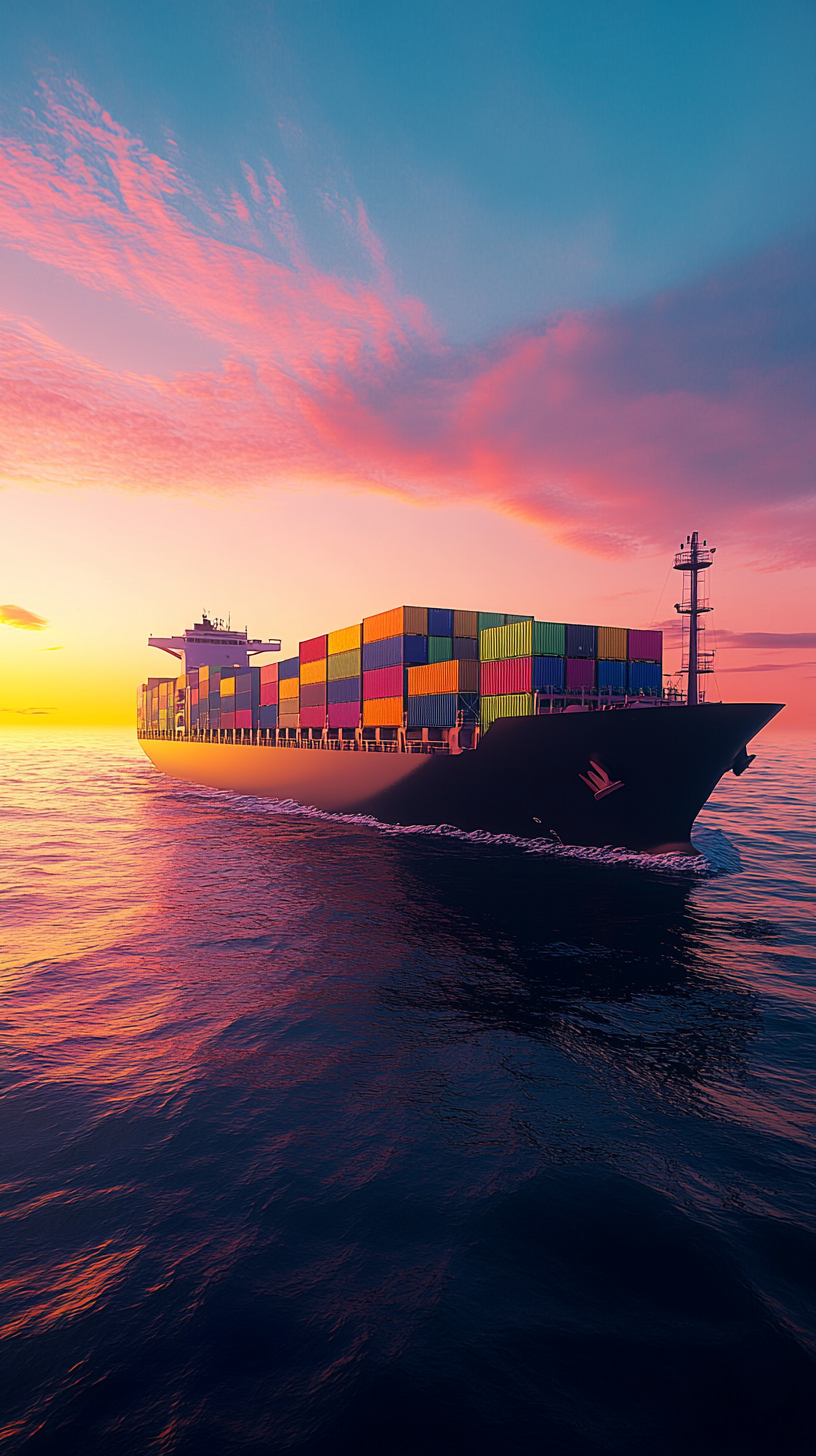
point(314, 649)
point(269, 672)
point(383, 682)
point(512, 675)
point(313, 717)
point(580, 672)
point(344, 715)
point(645, 646)
point(227, 720)
point(243, 717)
point(269, 692)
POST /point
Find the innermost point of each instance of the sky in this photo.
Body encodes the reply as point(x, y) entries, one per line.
point(312, 309)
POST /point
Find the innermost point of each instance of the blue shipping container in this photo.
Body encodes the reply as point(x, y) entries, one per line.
point(393, 651)
point(582, 641)
point(645, 677)
point(269, 716)
point(243, 701)
point(439, 710)
point(345, 690)
point(612, 675)
point(289, 668)
point(440, 622)
point(548, 672)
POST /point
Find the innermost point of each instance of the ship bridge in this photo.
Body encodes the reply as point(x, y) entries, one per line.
point(212, 644)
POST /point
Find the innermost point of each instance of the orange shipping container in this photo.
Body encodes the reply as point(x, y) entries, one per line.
point(612, 643)
point(345, 639)
point(313, 672)
point(466, 624)
point(408, 621)
point(444, 677)
point(288, 687)
point(382, 713)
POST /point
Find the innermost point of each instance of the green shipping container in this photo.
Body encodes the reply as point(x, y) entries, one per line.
point(489, 619)
point(549, 639)
point(508, 705)
point(509, 620)
point(344, 664)
point(440, 649)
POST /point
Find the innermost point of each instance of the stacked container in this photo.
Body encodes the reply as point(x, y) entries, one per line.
point(392, 642)
point(518, 659)
point(313, 682)
point(288, 692)
point(645, 651)
point(447, 685)
point(344, 674)
point(268, 695)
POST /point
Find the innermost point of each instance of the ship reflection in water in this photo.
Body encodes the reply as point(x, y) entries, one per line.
point(330, 1140)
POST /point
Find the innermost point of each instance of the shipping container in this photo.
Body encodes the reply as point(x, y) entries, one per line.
point(440, 710)
point(466, 624)
point(612, 674)
point(227, 718)
point(313, 672)
point(344, 715)
point(394, 651)
point(345, 664)
point(512, 705)
point(508, 675)
point(243, 718)
point(287, 718)
point(313, 650)
point(269, 694)
point(612, 644)
point(440, 622)
point(581, 642)
point(486, 620)
point(346, 639)
point(398, 622)
point(455, 676)
point(580, 673)
point(227, 706)
point(268, 715)
point(347, 690)
point(440, 649)
point(312, 695)
point(227, 686)
point(515, 640)
point(313, 717)
point(548, 674)
point(549, 639)
point(383, 713)
point(509, 620)
point(288, 688)
point(645, 646)
point(242, 701)
point(466, 647)
point(645, 677)
point(289, 668)
point(383, 682)
point(269, 672)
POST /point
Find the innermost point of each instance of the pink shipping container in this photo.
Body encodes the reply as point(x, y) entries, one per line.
point(383, 682)
point(269, 672)
point(580, 672)
point(313, 717)
point(243, 717)
point(344, 715)
point(227, 720)
point(512, 675)
point(312, 695)
point(269, 692)
point(314, 649)
point(645, 646)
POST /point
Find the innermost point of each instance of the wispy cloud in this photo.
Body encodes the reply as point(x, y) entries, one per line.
point(608, 428)
point(11, 616)
point(766, 667)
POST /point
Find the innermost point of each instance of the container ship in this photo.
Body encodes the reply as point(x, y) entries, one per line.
point(475, 720)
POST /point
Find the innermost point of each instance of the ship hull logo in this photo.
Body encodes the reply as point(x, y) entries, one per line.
point(598, 780)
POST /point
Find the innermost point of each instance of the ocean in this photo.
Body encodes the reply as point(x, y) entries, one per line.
point(325, 1139)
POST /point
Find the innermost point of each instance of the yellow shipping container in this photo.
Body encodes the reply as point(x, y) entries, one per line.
point(228, 687)
point(612, 643)
point(444, 677)
point(505, 705)
point(412, 621)
point(344, 664)
point(499, 643)
point(288, 687)
point(345, 639)
point(312, 672)
point(383, 713)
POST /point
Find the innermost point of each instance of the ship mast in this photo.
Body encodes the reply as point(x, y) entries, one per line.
point(694, 559)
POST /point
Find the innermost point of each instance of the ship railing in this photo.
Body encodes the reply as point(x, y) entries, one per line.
point(253, 738)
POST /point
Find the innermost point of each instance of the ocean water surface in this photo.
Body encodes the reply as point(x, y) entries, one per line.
point(325, 1139)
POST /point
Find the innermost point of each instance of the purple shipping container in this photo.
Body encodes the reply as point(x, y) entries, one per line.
point(391, 651)
point(465, 648)
point(344, 715)
point(345, 690)
point(312, 695)
point(384, 682)
point(313, 717)
point(511, 675)
point(269, 715)
point(645, 646)
point(580, 673)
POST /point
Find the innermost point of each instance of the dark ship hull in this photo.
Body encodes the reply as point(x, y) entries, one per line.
point(635, 778)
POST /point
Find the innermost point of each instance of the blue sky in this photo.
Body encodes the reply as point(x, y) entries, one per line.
point(515, 159)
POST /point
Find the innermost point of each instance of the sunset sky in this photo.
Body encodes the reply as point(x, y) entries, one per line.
point(315, 308)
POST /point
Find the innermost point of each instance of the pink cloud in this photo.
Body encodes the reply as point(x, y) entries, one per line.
point(608, 428)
